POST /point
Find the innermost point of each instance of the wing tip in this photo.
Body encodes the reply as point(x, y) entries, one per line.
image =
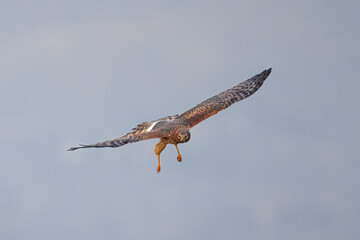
point(267, 72)
point(74, 148)
point(262, 76)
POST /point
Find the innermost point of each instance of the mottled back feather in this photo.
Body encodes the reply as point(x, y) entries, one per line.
point(145, 125)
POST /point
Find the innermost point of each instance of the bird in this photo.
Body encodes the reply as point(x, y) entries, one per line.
point(176, 129)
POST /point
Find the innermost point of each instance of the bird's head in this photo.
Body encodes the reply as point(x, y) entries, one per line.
point(183, 135)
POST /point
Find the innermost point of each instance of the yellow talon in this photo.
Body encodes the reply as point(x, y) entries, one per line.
point(179, 158)
point(158, 166)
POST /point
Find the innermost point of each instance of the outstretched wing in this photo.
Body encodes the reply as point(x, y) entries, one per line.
point(223, 100)
point(143, 131)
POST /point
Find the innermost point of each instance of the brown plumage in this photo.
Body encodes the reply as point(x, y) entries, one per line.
point(176, 129)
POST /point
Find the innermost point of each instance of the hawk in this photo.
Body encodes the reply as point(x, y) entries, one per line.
point(176, 129)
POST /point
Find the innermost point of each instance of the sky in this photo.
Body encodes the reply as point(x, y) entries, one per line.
point(282, 164)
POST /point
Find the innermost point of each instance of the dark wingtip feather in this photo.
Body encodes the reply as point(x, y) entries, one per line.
point(266, 72)
point(262, 76)
point(74, 148)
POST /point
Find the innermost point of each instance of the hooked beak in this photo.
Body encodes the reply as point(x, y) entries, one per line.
point(182, 138)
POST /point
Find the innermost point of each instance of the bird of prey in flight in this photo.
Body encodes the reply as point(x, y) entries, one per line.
point(176, 129)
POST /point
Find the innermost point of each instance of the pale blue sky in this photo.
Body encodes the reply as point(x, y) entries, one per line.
point(283, 164)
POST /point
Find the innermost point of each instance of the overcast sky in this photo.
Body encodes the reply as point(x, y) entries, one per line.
point(282, 164)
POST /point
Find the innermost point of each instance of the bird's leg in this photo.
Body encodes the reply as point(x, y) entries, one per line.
point(179, 158)
point(158, 166)
point(158, 149)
